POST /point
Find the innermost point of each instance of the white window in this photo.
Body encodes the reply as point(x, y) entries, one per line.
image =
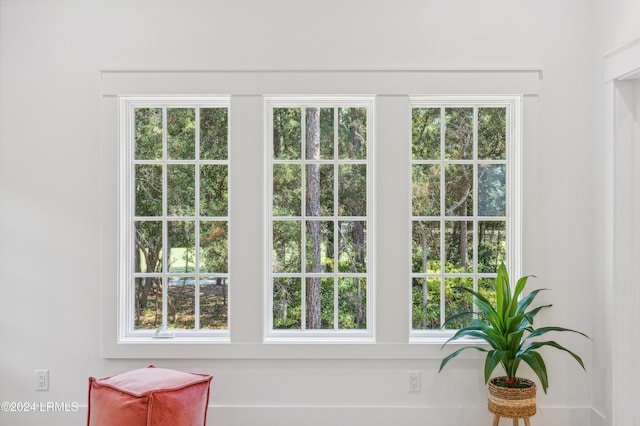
point(319, 245)
point(173, 218)
point(465, 211)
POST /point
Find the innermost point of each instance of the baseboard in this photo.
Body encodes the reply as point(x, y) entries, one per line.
point(598, 419)
point(338, 416)
point(384, 416)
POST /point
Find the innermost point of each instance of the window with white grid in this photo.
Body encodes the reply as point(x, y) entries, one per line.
point(465, 172)
point(319, 223)
point(174, 218)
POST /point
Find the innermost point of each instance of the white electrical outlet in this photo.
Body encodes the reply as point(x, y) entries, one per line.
point(414, 381)
point(42, 380)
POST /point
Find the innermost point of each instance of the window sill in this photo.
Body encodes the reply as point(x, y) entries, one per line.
point(283, 350)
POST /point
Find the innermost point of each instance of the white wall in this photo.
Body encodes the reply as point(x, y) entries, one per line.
point(616, 151)
point(620, 23)
point(55, 224)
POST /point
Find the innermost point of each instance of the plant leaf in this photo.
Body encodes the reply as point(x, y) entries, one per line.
point(535, 361)
point(456, 316)
point(484, 305)
point(543, 330)
point(514, 306)
point(494, 357)
point(502, 290)
point(537, 345)
point(532, 313)
point(456, 353)
point(526, 301)
point(472, 332)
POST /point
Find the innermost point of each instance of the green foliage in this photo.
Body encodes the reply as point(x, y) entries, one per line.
point(178, 126)
point(214, 133)
point(425, 133)
point(458, 133)
point(445, 240)
point(352, 133)
point(492, 133)
point(507, 326)
point(326, 181)
point(287, 136)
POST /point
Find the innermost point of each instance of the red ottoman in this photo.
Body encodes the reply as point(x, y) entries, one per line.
point(149, 397)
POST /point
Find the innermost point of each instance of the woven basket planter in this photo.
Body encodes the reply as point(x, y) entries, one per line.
point(512, 402)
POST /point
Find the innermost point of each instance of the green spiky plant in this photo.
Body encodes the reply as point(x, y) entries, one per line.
point(508, 329)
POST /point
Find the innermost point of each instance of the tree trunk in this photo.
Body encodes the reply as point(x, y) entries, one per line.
point(464, 242)
point(151, 258)
point(277, 136)
point(313, 226)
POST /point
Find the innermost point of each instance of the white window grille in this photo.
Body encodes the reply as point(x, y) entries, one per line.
point(319, 223)
point(465, 208)
point(174, 218)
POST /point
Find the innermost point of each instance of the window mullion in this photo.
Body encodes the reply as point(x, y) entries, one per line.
point(336, 239)
point(196, 177)
point(443, 208)
point(476, 223)
point(165, 230)
point(303, 216)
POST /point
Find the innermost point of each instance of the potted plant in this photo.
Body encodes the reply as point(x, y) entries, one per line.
point(508, 329)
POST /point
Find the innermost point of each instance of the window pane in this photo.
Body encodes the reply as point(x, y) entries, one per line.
point(352, 190)
point(426, 303)
point(181, 133)
point(319, 213)
point(287, 133)
point(352, 133)
point(458, 301)
point(287, 306)
point(458, 241)
point(426, 247)
point(492, 197)
point(214, 190)
point(148, 303)
point(492, 133)
point(286, 246)
point(213, 133)
point(319, 246)
point(459, 133)
point(327, 303)
point(148, 246)
point(214, 247)
point(352, 303)
point(181, 309)
point(319, 190)
point(148, 134)
point(287, 184)
point(148, 188)
point(425, 137)
point(326, 134)
point(319, 303)
point(492, 241)
point(214, 303)
point(426, 190)
point(182, 246)
point(181, 190)
point(319, 133)
point(352, 252)
point(459, 189)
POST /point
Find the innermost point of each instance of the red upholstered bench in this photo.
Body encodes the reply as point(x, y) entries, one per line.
point(149, 397)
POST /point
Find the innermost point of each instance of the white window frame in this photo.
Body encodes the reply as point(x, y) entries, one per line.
point(246, 88)
point(513, 218)
point(126, 218)
point(271, 335)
